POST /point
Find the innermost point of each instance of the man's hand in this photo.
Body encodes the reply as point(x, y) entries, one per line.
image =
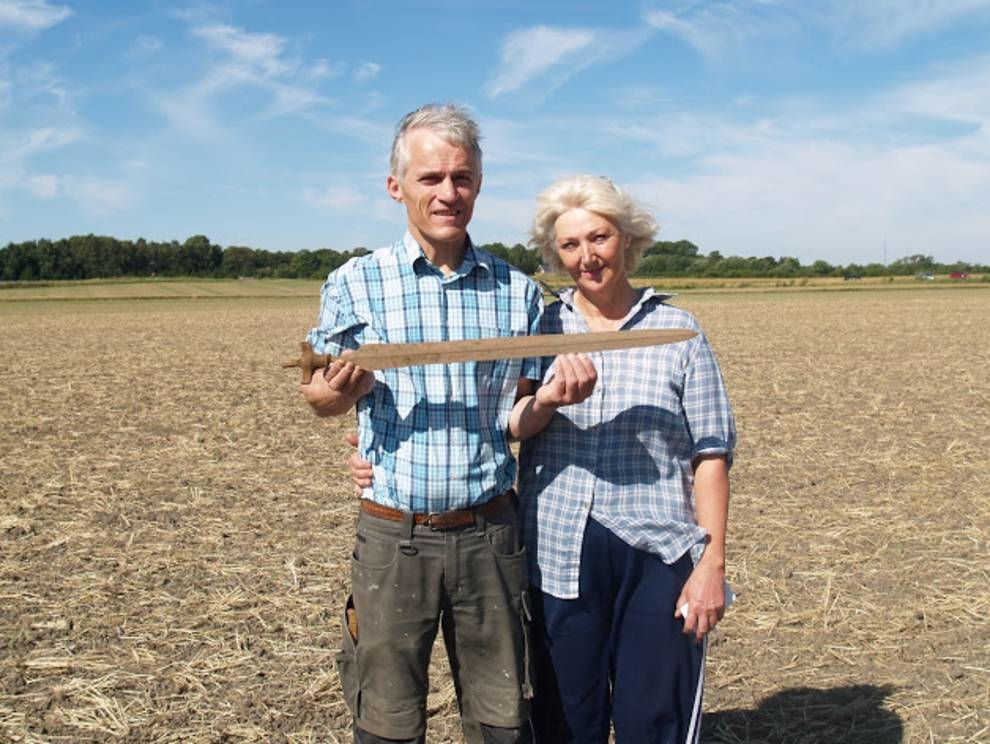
point(337, 388)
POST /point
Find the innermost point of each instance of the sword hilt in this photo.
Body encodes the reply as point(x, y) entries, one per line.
point(308, 362)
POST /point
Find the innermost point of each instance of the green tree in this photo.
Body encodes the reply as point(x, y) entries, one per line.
point(199, 257)
point(910, 265)
point(525, 259)
point(822, 268)
point(787, 267)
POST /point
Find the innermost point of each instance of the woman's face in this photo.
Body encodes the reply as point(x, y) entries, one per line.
point(592, 250)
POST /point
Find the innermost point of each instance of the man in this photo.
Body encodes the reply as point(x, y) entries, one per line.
point(436, 534)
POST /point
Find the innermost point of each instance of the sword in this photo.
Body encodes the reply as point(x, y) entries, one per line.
point(388, 356)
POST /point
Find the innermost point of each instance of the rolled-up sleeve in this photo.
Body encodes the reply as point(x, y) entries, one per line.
point(706, 404)
point(338, 322)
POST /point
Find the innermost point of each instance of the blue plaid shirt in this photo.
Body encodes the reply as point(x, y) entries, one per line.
point(623, 456)
point(435, 435)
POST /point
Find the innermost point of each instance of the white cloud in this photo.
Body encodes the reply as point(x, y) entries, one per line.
point(43, 139)
point(257, 51)
point(96, 195)
point(33, 80)
point(905, 168)
point(531, 52)
point(26, 165)
point(335, 199)
point(292, 98)
point(323, 68)
point(886, 23)
point(503, 219)
point(830, 195)
point(513, 142)
point(249, 59)
point(693, 35)
point(640, 97)
point(188, 111)
point(33, 15)
point(43, 186)
point(956, 92)
point(694, 135)
point(100, 196)
point(716, 30)
point(367, 71)
point(354, 127)
point(146, 45)
point(373, 101)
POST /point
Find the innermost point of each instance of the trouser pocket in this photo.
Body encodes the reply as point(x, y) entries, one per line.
point(346, 659)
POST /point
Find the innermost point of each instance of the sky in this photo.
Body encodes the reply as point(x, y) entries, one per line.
point(850, 131)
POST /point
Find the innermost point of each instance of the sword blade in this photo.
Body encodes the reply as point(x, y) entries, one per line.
point(387, 356)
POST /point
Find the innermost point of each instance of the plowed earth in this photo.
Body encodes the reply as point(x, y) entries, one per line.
point(175, 526)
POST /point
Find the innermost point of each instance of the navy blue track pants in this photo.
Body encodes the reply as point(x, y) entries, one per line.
point(617, 652)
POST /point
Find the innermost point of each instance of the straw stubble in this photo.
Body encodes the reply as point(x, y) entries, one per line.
point(175, 526)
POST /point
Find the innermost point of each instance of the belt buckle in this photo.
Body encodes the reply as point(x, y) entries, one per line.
point(441, 521)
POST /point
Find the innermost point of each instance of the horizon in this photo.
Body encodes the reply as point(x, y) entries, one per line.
point(830, 131)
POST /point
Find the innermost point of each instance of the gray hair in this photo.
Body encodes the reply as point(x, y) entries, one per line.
point(599, 195)
point(450, 122)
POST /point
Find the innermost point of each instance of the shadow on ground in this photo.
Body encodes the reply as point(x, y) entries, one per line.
point(805, 715)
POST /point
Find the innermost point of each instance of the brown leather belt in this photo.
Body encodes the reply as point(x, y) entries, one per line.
point(448, 520)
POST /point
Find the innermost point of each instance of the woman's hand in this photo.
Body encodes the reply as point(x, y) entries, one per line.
point(573, 380)
point(360, 470)
point(703, 598)
point(704, 591)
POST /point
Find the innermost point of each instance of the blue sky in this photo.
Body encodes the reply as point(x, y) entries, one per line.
point(843, 130)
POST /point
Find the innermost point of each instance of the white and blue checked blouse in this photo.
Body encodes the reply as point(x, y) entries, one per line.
point(623, 456)
point(435, 435)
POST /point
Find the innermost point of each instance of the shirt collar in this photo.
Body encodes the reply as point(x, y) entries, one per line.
point(473, 258)
point(648, 295)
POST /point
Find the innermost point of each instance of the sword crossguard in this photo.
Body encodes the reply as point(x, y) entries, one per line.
point(308, 362)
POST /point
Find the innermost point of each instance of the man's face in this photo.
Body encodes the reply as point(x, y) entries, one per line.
point(439, 186)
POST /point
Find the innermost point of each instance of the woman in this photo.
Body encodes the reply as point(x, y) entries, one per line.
point(624, 489)
point(624, 495)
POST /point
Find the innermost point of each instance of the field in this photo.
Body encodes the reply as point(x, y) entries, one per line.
point(175, 526)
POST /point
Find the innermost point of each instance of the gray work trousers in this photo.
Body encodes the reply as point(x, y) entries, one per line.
point(407, 579)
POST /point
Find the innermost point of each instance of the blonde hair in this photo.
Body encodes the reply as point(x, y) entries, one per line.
point(450, 122)
point(599, 195)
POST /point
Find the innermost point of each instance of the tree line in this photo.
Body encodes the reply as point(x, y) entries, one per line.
point(101, 257)
point(682, 258)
